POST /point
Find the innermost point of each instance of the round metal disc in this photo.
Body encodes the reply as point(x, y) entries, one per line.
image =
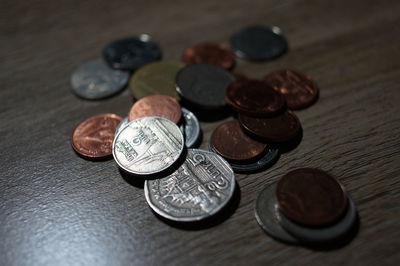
point(121, 125)
point(190, 128)
point(95, 80)
point(201, 187)
point(148, 145)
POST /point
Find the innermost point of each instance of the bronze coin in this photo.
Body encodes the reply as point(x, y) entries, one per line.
point(156, 105)
point(311, 197)
point(229, 141)
point(93, 137)
point(299, 89)
point(280, 128)
point(210, 53)
point(254, 98)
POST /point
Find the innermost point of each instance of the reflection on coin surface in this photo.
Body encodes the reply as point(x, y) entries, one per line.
point(203, 85)
point(156, 105)
point(201, 187)
point(190, 128)
point(210, 53)
point(299, 90)
point(155, 78)
point(131, 53)
point(95, 80)
point(148, 145)
point(121, 125)
point(258, 42)
point(266, 215)
point(311, 197)
point(93, 137)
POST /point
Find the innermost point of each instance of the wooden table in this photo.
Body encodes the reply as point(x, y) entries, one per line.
point(58, 209)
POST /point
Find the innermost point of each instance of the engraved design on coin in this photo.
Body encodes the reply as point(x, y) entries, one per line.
point(148, 145)
point(190, 128)
point(201, 187)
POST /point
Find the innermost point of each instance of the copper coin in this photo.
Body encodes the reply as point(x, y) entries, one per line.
point(311, 197)
point(156, 105)
point(229, 141)
point(93, 137)
point(210, 53)
point(254, 98)
point(299, 89)
point(280, 128)
point(239, 76)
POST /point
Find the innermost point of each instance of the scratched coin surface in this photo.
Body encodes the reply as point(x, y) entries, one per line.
point(201, 187)
point(156, 105)
point(298, 89)
point(95, 80)
point(93, 137)
point(190, 128)
point(148, 145)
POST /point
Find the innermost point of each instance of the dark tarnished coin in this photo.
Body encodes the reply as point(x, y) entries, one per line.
point(311, 197)
point(254, 98)
point(148, 145)
point(258, 42)
point(280, 128)
point(200, 187)
point(190, 128)
point(299, 90)
point(95, 80)
point(203, 85)
point(266, 215)
point(156, 105)
point(93, 137)
point(131, 53)
point(210, 53)
point(155, 78)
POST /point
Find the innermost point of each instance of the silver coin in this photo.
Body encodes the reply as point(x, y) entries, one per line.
point(121, 125)
point(190, 128)
point(96, 80)
point(201, 187)
point(267, 218)
point(321, 234)
point(148, 145)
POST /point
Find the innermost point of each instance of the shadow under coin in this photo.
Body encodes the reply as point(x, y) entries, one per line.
point(207, 115)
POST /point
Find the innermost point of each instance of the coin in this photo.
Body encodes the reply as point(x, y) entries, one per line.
point(201, 187)
point(156, 105)
point(121, 125)
point(280, 128)
point(254, 98)
point(148, 145)
point(258, 42)
point(299, 89)
point(203, 85)
point(95, 80)
point(239, 76)
point(190, 128)
point(155, 78)
point(266, 215)
point(210, 53)
point(93, 137)
point(132, 52)
point(311, 197)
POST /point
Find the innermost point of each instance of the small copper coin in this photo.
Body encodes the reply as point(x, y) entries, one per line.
point(156, 105)
point(299, 89)
point(280, 128)
point(229, 141)
point(254, 98)
point(93, 137)
point(210, 53)
point(311, 197)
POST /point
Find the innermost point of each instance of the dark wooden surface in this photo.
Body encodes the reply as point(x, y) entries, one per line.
point(58, 209)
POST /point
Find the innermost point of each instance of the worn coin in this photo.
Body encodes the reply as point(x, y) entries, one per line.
point(190, 128)
point(203, 85)
point(258, 42)
point(131, 53)
point(95, 80)
point(210, 53)
point(201, 187)
point(93, 137)
point(156, 105)
point(299, 89)
point(266, 215)
point(155, 78)
point(148, 145)
point(311, 197)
